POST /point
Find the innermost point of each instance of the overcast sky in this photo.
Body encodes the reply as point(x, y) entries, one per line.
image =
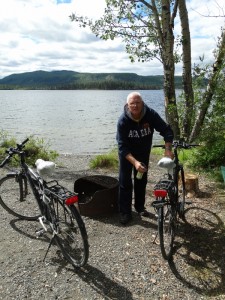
point(38, 35)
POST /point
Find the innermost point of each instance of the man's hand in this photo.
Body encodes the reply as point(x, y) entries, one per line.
point(140, 167)
point(168, 150)
point(137, 164)
point(169, 153)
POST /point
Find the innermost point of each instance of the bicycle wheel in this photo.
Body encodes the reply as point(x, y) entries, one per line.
point(181, 195)
point(71, 235)
point(166, 227)
point(17, 198)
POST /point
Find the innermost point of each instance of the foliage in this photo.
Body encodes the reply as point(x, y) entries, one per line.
point(109, 160)
point(35, 148)
point(137, 23)
point(185, 155)
point(212, 154)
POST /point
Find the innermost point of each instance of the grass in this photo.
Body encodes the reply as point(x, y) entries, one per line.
point(108, 161)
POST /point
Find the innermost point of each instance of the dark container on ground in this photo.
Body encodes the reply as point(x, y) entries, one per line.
point(98, 195)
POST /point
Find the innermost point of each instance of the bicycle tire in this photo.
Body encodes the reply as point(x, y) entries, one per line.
point(17, 198)
point(166, 228)
point(181, 195)
point(71, 236)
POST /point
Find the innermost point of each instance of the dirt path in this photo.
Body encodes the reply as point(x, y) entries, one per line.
point(124, 262)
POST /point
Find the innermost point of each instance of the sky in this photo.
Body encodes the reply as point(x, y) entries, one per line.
point(39, 35)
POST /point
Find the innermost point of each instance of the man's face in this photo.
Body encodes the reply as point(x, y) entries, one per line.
point(135, 105)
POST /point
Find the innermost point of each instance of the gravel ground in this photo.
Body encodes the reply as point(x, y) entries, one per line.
point(124, 262)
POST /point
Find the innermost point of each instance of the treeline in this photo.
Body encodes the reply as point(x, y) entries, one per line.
point(69, 80)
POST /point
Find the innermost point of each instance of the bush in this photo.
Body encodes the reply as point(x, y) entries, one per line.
point(35, 148)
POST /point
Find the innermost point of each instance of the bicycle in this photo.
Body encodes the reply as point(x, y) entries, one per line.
point(58, 207)
point(170, 201)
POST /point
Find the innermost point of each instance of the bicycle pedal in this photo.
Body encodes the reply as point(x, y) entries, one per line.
point(42, 221)
point(39, 232)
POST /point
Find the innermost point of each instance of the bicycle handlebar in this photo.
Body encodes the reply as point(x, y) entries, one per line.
point(11, 151)
point(178, 144)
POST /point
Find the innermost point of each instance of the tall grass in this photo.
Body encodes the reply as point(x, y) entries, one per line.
point(109, 160)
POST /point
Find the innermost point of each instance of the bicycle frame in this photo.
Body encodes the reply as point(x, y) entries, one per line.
point(178, 169)
point(34, 180)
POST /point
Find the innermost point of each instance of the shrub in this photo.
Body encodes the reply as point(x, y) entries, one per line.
point(35, 148)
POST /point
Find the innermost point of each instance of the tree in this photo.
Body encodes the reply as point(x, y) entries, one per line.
point(187, 69)
point(146, 28)
point(207, 96)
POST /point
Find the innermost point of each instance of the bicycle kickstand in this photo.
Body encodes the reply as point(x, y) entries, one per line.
point(153, 242)
point(48, 248)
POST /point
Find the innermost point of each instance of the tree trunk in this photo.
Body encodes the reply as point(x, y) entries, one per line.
point(187, 74)
point(168, 67)
point(208, 95)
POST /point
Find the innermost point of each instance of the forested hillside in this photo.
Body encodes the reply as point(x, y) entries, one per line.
point(70, 80)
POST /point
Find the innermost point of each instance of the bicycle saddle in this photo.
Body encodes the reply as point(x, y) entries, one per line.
point(45, 168)
point(166, 163)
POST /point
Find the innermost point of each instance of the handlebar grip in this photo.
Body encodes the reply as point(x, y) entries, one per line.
point(20, 146)
point(25, 141)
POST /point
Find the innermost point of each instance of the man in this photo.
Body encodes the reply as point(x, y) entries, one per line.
point(135, 130)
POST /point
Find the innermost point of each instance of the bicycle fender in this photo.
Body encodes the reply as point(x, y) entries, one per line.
point(12, 174)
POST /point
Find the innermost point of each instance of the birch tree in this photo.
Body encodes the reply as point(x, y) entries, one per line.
point(146, 28)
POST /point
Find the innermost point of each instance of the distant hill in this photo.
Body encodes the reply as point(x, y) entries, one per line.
point(70, 80)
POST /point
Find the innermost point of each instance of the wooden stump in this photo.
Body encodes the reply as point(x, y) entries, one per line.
point(191, 184)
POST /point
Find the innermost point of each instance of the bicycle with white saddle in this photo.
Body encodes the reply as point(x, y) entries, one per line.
point(169, 195)
point(27, 195)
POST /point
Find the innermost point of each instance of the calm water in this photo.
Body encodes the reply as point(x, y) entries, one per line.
point(77, 122)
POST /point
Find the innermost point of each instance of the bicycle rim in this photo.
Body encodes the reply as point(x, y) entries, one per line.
point(72, 236)
point(166, 229)
point(16, 201)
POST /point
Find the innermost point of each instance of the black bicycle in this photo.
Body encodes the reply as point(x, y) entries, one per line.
point(170, 198)
point(26, 195)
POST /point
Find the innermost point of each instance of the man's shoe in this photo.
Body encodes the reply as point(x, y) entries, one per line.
point(144, 213)
point(125, 218)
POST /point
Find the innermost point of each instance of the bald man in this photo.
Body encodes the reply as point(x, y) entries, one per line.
point(135, 130)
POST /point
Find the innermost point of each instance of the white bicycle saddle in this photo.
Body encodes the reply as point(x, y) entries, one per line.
point(166, 163)
point(45, 168)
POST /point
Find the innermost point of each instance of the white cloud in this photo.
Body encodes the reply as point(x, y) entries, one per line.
point(38, 35)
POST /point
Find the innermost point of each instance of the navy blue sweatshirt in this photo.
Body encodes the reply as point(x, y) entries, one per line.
point(136, 137)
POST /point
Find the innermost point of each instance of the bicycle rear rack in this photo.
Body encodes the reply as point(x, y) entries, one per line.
point(61, 192)
point(164, 184)
point(161, 189)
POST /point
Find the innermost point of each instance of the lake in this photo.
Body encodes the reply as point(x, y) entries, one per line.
point(75, 122)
